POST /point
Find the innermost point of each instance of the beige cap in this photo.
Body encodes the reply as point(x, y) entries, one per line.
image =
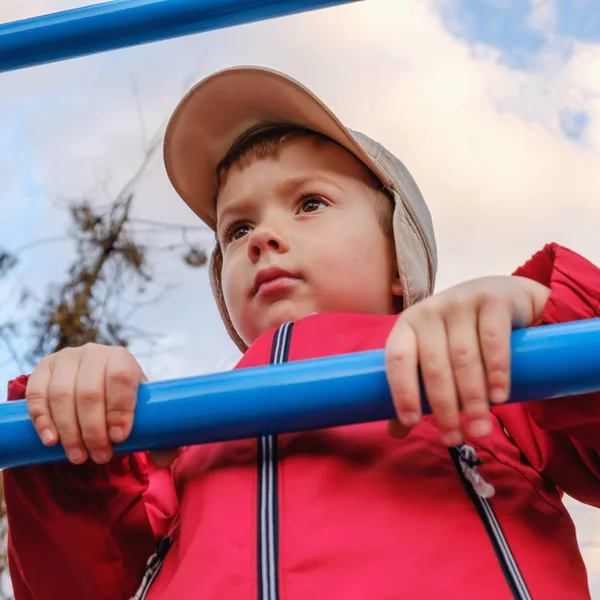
point(223, 107)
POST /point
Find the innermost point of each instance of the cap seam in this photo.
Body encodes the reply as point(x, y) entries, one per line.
point(419, 235)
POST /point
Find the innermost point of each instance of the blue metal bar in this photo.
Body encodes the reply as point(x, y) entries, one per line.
point(123, 23)
point(549, 361)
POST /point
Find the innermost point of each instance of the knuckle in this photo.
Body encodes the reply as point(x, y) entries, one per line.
point(407, 316)
point(123, 375)
point(396, 354)
point(88, 347)
point(89, 396)
point(472, 394)
point(475, 411)
point(94, 437)
point(122, 354)
point(491, 296)
point(60, 394)
point(436, 376)
point(45, 362)
point(433, 370)
point(457, 296)
point(91, 351)
point(40, 421)
point(493, 339)
point(498, 378)
point(67, 425)
point(404, 400)
point(428, 309)
point(70, 439)
point(119, 416)
point(457, 300)
point(36, 402)
point(69, 352)
point(462, 355)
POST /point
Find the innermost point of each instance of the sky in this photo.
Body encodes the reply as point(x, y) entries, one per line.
point(494, 105)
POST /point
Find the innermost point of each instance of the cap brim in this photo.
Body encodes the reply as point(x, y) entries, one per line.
point(219, 109)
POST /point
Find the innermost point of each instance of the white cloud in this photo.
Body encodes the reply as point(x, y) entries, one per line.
point(483, 140)
point(542, 15)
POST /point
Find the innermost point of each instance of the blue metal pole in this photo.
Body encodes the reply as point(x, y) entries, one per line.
point(549, 361)
point(122, 23)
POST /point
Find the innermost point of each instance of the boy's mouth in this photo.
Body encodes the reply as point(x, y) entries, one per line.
point(272, 279)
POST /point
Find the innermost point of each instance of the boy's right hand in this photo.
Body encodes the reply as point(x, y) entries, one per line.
point(85, 397)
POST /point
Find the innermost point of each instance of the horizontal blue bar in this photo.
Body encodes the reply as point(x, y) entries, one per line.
point(122, 23)
point(549, 361)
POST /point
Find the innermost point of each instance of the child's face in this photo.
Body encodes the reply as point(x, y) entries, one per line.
point(300, 234)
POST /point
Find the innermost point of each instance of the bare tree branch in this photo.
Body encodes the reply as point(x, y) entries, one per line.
point(140, 112)
point(14, 355)
point(42, 242)
point(110, 278)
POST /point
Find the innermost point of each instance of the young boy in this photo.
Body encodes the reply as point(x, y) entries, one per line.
point(322, 239)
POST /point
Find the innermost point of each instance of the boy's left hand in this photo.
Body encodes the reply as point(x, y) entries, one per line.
point(460, 341)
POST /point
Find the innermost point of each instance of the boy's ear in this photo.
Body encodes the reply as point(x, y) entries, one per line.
point(397, 285)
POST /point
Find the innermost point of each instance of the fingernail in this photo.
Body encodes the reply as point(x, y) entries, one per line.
point(47, 436)
point(452, 438)
point(75, 455)
point(100, 457)
point(116, 434)
point(480, 427)
point(409, 419)
point(498, 395)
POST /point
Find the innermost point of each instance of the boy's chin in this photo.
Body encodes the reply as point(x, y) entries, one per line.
point(285, 312)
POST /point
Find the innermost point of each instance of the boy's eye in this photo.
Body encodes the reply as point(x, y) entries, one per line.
point(237, 231)
point(312, 204)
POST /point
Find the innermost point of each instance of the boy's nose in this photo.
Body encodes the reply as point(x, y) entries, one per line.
point(263, 239)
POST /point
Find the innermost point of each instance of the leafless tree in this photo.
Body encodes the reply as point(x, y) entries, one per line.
point(113, 260)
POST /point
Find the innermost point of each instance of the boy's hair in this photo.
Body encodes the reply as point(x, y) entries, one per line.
point(268, 144)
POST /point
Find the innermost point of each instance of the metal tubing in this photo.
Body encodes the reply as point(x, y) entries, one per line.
point(549, 361)
point(122, 23)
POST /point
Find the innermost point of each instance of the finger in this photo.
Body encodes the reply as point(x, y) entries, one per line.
point(123, 377)
point(38, 404)
point(62, 404)
point(438, 379)
point(468, 370)
point(495, 328)
point(401, 367)
point(164, 458)
point(90, 402)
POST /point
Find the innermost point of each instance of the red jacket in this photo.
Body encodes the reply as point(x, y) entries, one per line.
point(346, 513)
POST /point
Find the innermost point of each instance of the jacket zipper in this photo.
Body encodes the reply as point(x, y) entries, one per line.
point(486, 513)
point(153, 567)
point(268, 511)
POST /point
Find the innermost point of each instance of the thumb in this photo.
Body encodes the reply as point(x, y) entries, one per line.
point(164, 458)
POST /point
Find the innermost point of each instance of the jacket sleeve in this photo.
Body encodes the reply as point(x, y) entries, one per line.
point(561, 437)
point(84, 531)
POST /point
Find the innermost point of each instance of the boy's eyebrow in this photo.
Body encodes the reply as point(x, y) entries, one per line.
point(237, 207)
point(291, 184)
